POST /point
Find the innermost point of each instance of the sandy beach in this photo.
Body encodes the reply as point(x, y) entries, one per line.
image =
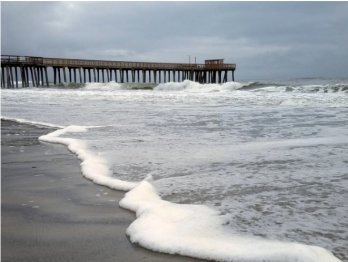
point(51, 213)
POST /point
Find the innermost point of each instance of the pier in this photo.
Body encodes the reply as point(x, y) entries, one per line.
point(25, 71)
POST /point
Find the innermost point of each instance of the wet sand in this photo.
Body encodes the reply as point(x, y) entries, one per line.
point(51, 213)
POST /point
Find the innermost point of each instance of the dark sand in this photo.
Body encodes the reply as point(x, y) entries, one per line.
point(51, 213)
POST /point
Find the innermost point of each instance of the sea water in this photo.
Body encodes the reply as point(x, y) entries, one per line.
point(250, 171)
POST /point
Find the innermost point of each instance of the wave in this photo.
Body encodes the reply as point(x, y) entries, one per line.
point(326, 88)
point(104, 86)
point(72, 85)
point(189, 230)
point(110, 86)
point(191, 86)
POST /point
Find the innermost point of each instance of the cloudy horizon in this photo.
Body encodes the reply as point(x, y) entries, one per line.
point(267, 40)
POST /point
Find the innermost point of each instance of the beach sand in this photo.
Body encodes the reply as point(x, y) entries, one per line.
point(51, 213)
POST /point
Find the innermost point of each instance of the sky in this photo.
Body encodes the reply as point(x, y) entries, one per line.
point(267, 40)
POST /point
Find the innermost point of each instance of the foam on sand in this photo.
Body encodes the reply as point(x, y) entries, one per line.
point(93, 167)
point(197, 231)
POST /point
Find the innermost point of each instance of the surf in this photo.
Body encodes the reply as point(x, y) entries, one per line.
point(184, 229)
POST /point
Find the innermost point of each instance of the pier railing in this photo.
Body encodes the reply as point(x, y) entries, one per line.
point(63, 62)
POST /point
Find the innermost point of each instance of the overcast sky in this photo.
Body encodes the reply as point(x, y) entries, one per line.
point(267, 40)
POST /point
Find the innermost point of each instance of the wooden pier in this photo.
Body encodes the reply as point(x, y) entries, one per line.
point(28, 71)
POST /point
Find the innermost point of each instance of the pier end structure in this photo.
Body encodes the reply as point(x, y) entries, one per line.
point(29, 70)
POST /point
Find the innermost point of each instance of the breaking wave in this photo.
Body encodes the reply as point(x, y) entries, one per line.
point(251, 86)
point(190, 86)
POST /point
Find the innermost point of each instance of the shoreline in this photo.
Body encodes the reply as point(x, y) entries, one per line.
point(50, 212)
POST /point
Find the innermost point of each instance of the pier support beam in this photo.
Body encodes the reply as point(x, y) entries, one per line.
point(64, 74)
point(59, 78)
point(144, 75)
point(74, 75)
point(16, 75)
point(36, 75)
point(22, 76)
point(46, 76)
point(33, 78)
point(8, 77)
point(3, 77)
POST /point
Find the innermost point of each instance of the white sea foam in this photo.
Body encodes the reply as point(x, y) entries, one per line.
point(109, 86)
point(195, 230)
point(93, 167)
point(191, 86)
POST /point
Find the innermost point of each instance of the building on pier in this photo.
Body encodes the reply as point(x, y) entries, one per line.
point(34, 70)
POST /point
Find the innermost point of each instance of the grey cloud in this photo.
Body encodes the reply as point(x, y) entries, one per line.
point(265, 39)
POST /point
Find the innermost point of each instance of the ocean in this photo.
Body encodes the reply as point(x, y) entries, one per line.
point(242, 171)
